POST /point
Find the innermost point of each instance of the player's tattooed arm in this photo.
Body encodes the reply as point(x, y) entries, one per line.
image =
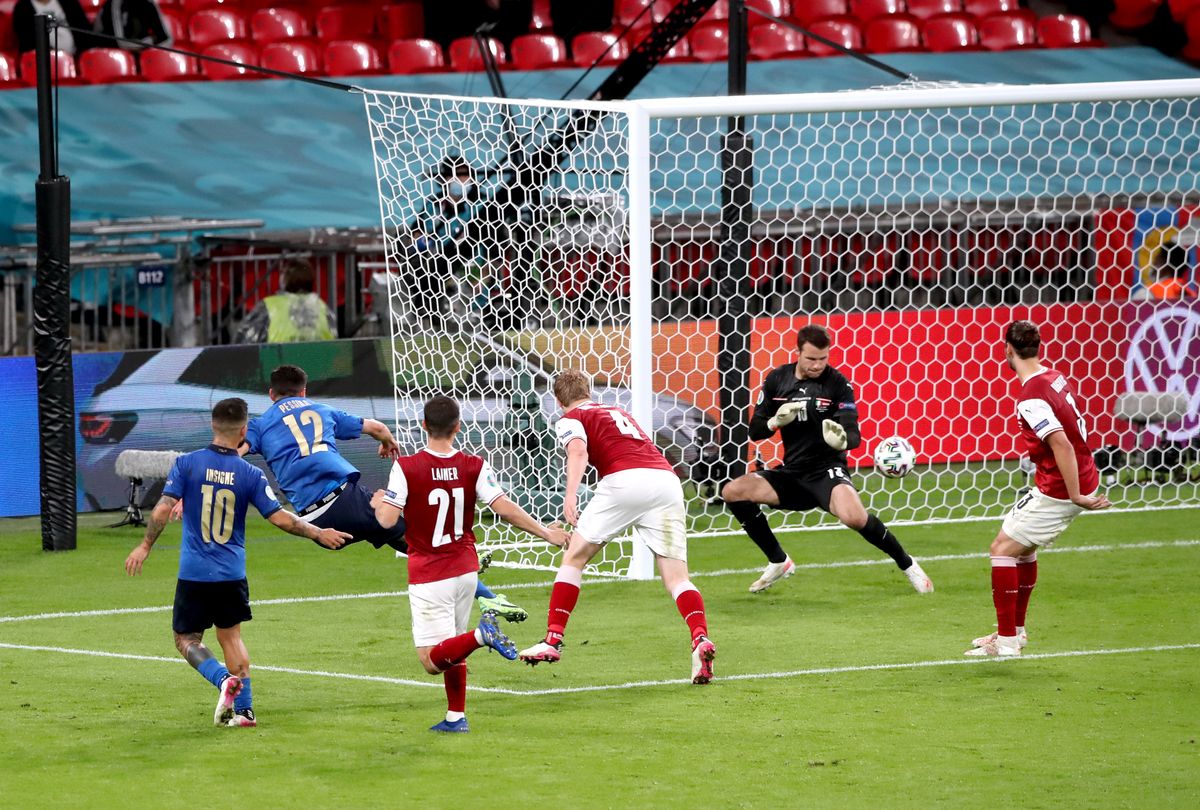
point(387, 443)
point(154, 525)
point(330, 538)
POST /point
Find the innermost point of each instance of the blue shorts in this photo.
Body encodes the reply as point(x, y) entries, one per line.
point(351, 512)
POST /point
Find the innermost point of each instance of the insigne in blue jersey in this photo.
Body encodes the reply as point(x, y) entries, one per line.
point(217, 486)
point(298, 438)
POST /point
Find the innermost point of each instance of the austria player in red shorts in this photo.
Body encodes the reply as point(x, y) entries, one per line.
point(437, 489)
point(1066, 483)
point(638, 489)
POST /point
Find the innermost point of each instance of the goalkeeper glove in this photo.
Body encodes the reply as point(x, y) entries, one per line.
point(786, 414)
point(834, 434)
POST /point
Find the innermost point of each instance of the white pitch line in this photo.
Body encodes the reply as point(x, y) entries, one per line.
point(294, 600)
point(796, 673)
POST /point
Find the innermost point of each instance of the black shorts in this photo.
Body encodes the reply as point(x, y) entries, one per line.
point(351, 512)
point(800, 491)
point(200, 605)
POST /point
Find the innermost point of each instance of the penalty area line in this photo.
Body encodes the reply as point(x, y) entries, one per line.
point(615, 687)
point(297, 600)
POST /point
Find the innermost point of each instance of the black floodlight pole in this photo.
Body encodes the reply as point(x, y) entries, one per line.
point(732, 268)
point(52, 318)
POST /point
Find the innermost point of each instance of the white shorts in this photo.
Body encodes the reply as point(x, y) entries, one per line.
point(441, 609)
point(648, 501)
point(1037, 519)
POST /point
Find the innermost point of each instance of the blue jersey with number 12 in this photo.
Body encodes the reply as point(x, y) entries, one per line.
point(217, 486)
point(298, 438)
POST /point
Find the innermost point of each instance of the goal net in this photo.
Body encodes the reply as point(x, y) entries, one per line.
point(671, 248)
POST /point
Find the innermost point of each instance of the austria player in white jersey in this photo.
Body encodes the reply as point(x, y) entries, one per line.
point(638, 489)
point(436, 489)
point(1066, 484)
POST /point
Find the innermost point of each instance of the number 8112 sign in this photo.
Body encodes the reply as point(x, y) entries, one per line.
point(151, 276)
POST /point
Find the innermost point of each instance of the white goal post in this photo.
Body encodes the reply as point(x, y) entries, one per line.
point(670, 248)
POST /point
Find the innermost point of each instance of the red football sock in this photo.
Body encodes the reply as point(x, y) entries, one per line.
point(1026, 579)
point(563, 597)
point(691, 608)
point(1004, 594)
point(456, 687)
point(453, 650)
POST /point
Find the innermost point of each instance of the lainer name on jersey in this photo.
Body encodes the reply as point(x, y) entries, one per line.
point(218, 476)
point(444, 473)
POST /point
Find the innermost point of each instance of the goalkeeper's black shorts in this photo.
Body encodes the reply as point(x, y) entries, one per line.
point(801, 490)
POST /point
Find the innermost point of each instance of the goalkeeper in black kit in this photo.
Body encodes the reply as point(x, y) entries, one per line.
point(812, 405)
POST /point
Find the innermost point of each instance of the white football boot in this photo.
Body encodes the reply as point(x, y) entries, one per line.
point(1022, 639)
point(772, 574)
point(920, 580)
point(999, 647)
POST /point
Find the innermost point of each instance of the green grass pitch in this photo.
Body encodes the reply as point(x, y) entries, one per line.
point(805, 724)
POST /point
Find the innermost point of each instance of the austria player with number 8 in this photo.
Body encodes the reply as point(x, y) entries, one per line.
point(437, 489)
point(638, 489)
point(812, 406)
point(1066, 484)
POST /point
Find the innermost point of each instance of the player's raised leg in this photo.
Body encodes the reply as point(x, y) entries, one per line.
point(743, 496)
point(193, 650)
point(690, 604)
point(237, 658)
point(564, 595)
point(847, 507)
point(1005, 591)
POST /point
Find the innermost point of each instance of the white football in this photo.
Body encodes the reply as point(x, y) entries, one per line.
point(895, 457)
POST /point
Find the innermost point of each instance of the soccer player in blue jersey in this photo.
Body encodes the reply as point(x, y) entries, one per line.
point(298, 438)
point(217, 487)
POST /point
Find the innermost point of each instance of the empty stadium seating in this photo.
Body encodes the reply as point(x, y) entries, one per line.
point(347, 57)
point(774, 41)
point(892, 34)
point(62, 67)
point(586, 47)
point(539, 52)
point(293, 57)
point(164, 66)
point(416, 56)
point(107, 66)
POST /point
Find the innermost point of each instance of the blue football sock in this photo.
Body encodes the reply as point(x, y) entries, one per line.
point(484, 591)
point(242, 701)
point(214, 671)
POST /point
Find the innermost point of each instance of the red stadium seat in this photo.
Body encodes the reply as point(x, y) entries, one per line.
point(216, 25)
point(176, 24)
point(924, 9)
point(986, 8)
point(402, 21)
point(9, 75)
point(776, 8)
point(626, 11)
point(1191, 49)
point(844, 32)
point(893, 35)
point(539, 52)
point(241, 52)
point(293, 57)
point(348, 57)
point(540, 21)
point(91, 8)
point(951, 32)
point(1181, 10)
point(719, 11)
point(870, 9)
point(1007, 32)
point(107, 66)
point(591, 44)
point(1132, 14)
point(709, 41)
point(465, 55)
point(1064, 31)
point(164, 66)
point(278, 24)
point(774, 41)
point(416, 56)
point(680, 51)
point(348, 22)
point(62, 66)
point(809, 11)
point(8, 38)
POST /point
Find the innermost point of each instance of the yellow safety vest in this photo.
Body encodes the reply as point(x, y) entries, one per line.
point(296, 317)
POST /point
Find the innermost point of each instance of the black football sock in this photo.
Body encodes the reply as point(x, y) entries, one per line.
point(755, 523)
point(880, 536)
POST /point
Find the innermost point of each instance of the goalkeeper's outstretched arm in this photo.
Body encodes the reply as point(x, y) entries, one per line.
point(849, 420)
